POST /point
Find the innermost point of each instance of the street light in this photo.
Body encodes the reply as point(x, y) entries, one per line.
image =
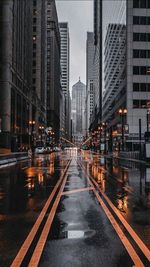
point(122, 112)
point(41, 128)
point(31, 126)
point(104, 124)
point(147, 118)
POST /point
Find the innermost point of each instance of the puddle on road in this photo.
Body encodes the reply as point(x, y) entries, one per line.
point(75, 234)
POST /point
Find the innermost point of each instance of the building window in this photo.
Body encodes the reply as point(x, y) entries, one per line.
point(135, 3)
point(136, 20)
point(136, 87)
point(141, 87)
point(140, 103)
point(34, 20)
point(135, 53)
point(141, 4)
point(142, 53)
point(34, 63)
point(141, 37)
point(141, 70)
point(143, 103)
point(141, 20)
point(135, 70)
point(135, 103)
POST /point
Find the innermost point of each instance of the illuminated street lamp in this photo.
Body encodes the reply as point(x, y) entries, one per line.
point(122, 112)
point(104, 124)
point(41, 128)
point(31, 132)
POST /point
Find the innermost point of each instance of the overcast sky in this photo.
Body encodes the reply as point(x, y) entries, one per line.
point(79, 15)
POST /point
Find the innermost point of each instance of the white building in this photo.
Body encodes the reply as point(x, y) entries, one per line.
point(133, 89)
point(78, 111)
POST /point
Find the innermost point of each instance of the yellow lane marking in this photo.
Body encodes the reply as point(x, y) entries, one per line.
point(137, 261)
point(139, 242)
point(123, 238)
point(24, 248)
point(42, 240)
point(77, 190)
point(134, 235)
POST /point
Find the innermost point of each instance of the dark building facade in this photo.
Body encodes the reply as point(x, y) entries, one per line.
point(15, 72)
point(97, 112)
point(65, 56)
point(53, 69)
point(39, 65)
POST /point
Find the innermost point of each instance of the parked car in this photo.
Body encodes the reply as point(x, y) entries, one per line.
point(39, 150)
point(48, 150)
point(57, 149)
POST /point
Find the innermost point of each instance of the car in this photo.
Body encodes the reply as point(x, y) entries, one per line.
point(39, 150)
point(48, 149)
point(57, 149)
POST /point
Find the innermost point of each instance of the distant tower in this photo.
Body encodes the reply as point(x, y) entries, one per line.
point(78, 109)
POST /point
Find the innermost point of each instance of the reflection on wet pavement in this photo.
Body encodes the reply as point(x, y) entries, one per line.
point(24, 189)
point(127, 187)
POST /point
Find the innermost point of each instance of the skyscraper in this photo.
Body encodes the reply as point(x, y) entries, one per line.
point(64, 59)
point(90, 93)
point(78, 111)
point(135, 94)
point(53, 69)
point(97, 113)
point(114, 70)
point(15, 72)
point(39, 79)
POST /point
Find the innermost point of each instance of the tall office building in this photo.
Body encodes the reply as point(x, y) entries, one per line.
point(97, 112)
point(114, 72)
point(64, 59)
point(138, 68)
point(134, 15)
point(90, 93)
point(53, 69)
point(15, 72)
point(78, 111)
point(39, 78)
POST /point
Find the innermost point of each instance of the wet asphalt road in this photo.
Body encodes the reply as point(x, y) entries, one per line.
point(81, 233)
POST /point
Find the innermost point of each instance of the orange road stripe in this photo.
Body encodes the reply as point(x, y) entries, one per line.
point(24, 248)
point(42, 240)
point(136, 238)
point(77, 190)
point(133, 234)
point(137, 261)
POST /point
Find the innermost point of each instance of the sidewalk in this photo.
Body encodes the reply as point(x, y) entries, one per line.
point(12, 158)
point(124, 157)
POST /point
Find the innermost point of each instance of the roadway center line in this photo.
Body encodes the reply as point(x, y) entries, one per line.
point(134, 235)
point(78, 190)
point(24, 248)
point(130, 230)
point(42, 240)
point(137, 261)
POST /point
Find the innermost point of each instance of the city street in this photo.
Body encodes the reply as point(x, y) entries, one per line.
point(75, 208)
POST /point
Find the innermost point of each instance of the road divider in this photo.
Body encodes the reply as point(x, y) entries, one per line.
point(114, 223)
point(42, 240)
point(27, 243)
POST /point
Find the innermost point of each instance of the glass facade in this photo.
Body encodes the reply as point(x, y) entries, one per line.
point(113, 12)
